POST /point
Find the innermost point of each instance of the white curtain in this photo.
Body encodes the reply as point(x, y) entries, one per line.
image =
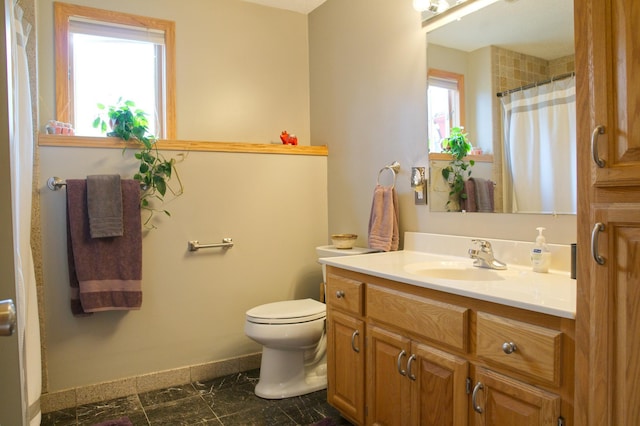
point(540, 148)
point(21, 147)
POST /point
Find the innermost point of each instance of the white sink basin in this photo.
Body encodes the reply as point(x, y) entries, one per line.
point(456, 271)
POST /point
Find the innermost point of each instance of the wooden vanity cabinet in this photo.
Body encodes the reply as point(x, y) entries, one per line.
point(413, 383)
point(346, 347)
point(438, 359)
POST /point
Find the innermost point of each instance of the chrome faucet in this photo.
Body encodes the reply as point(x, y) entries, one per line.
point(484, 256)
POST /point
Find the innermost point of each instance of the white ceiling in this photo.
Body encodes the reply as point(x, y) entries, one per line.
point(541, 28)
point(300, 6)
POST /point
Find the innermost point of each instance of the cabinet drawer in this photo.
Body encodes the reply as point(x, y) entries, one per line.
point(537, 349)
point(344, 293)
point(435, 321)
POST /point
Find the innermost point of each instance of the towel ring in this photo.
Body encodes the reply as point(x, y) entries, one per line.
point(394, 168)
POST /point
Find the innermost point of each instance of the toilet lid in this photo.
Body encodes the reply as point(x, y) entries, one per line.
point(287, 312)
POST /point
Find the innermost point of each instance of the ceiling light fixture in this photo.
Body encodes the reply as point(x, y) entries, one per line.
point(460, 9)
point(433, 6)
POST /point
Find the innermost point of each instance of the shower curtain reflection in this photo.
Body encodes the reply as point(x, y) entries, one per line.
point(539, 135)
point(21, 151)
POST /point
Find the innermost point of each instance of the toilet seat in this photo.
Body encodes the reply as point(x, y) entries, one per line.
point(287, 312)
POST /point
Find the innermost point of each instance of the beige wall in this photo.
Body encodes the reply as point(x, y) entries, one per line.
point(368, 104)
point(242, 76)
point(273, 206)
point(242, 69)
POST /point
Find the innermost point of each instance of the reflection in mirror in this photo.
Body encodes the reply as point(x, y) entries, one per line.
point(501, 49)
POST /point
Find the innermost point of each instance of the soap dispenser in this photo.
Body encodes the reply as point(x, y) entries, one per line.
point(540, 254)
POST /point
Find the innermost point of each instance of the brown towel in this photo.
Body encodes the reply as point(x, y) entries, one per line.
point(104, 273)
point(384, 233)
point(469, 204)
point(104, 204)
point(484, 195)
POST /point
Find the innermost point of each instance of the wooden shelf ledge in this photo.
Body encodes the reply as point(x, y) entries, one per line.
point(179, 145)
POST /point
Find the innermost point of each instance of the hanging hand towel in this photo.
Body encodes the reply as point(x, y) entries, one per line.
point(104, 203)
point(105, 273)
point(484, 195)
point(469, 204)
point(384, 233)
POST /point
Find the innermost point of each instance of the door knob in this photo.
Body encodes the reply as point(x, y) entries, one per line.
point(7, 317)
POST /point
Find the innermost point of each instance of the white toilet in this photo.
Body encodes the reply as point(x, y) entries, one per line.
point(292, 334)
point(294, 343)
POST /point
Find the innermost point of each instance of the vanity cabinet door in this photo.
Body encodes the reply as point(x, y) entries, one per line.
point(499, 400)
point(615, 82)
point(438, 393)
point(617, 281)
point(388, 387)
point(345, 364)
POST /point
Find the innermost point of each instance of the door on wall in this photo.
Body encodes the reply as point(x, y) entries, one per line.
point(11, 412)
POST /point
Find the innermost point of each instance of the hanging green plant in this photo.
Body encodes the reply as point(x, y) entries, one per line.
point(458, 170)
point(155, 171)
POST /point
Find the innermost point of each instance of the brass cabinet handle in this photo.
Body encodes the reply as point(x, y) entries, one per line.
point(474, 397)
point(353, 341)
point(409, 363)
point(599, 227)
point(339, 294)
point(399, 363)
point(509, 347)
point(599, 130)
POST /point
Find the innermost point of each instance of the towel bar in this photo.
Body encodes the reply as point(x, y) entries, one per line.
point(394, 168)
point(54, 183)
point(226, 243)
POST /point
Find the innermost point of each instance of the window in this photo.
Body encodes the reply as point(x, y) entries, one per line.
point(104, 55)
point(445, 95)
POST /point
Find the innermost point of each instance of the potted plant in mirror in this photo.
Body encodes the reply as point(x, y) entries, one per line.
point(458, 169)
point(154, 172)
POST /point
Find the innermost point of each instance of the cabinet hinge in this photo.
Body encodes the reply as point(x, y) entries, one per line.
point(560, 421)
point(469, 386)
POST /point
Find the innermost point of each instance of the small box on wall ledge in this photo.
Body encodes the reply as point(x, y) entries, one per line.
point(344, 241)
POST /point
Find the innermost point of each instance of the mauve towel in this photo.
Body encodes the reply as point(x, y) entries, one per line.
point(484, 195)
point(384, 232)
point(105, 273)
point(104, 204)
point(469, 204)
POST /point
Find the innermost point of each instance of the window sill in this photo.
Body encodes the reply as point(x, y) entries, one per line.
point(441, 156)
point(178, 145)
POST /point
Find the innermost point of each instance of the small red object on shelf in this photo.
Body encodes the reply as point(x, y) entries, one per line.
point(288, 139)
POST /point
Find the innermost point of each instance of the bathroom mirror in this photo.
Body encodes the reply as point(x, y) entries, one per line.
point(507, 45)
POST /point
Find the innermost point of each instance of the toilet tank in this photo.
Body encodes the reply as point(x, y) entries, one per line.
point(332, 251)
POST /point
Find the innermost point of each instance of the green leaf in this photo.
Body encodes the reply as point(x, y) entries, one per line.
point(161, 186)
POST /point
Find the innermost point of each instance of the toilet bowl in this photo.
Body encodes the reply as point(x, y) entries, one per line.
point(293, 339)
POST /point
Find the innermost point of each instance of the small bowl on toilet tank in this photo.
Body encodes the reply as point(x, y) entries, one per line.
point(344, 241)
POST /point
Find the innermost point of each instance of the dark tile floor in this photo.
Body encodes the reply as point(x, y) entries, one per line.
point(223, 401)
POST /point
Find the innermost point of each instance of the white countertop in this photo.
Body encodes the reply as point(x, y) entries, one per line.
point(553, 293)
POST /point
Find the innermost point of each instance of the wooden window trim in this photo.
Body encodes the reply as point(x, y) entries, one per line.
point(62, 12)
point(452, 76)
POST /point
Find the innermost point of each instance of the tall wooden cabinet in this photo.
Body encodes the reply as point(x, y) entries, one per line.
point(608, 306)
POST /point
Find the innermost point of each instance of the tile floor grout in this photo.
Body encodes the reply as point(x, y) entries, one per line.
point(225, 401)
